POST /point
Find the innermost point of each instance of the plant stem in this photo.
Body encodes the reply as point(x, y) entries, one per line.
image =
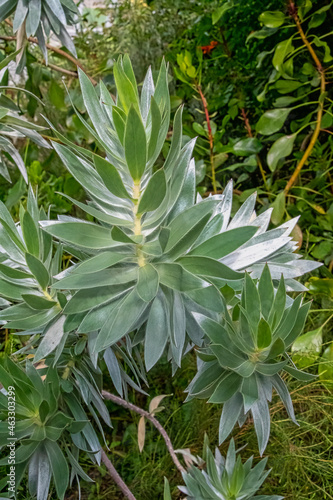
point(316, 132)
point(210, 136)
point(116, 477)
point(129, 406)
point(58, 51)
point(250, 134)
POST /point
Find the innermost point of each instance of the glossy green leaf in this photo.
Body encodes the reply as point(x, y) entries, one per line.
point(307, 347)
point(272, 19)
point(279, 206)
point(272, 121)
point(281, 148)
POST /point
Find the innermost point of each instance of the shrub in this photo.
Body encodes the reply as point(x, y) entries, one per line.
point(158, 272)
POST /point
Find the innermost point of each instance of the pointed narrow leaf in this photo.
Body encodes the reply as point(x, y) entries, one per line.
point(157, 332)
point(147, 282)
point(111, 177)
point(154, 193)
point(38, 270)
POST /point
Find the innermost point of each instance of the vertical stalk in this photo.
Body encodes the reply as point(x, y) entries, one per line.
point(137, 222)
point(210, 136)
point(308, 151)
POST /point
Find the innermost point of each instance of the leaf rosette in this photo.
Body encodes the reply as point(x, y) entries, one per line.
point(246, 354)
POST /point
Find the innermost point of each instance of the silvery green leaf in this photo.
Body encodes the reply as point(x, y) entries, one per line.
point(39, 475)
point(148, 89)
point(51, 339)
point(158, 330)
point(245, 214)
point(229, 417)
point(262, 422)
point(242, 259)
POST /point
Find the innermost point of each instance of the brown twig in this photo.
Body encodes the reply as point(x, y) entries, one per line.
point(56, 50)
point(116, 477)
point(308, 151)
point(210, 136)
point(62, 70)
point(129, 406)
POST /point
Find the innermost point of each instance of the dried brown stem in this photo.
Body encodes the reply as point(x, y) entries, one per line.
point(116, 477)
point(56, 50)
point(130, 406)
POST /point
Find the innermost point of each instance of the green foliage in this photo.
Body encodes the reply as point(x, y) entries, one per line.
point(13, 125)
point(48, 415)
point(141, 278)
point(40, 18)
point(225, 478)
point(246, 353)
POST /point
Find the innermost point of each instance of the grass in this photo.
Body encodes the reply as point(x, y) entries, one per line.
point(301, 457)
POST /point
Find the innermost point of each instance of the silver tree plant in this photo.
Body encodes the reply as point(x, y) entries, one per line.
point(155, 271)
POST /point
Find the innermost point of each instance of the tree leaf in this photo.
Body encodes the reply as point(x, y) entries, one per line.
point(206, 266)
point(127, 93)
point(279, 206)
point(272, 121)
point(272, 19)
point(229, 417)
point(281, 148)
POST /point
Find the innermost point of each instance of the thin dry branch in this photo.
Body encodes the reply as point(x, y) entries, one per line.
point(116, 477)
point(56, 50)
point(130, 406)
